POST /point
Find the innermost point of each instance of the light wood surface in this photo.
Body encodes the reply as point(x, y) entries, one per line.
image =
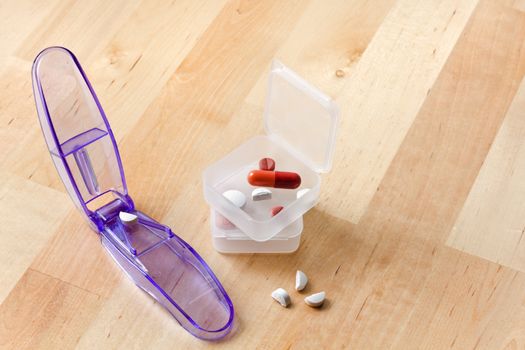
point(418, 237)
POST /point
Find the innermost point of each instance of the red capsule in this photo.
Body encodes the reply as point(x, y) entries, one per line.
point(267, 164)
point(277, 179)
point(276, 210)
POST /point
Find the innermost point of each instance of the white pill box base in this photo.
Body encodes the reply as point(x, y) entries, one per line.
point(300, 123)
point(234, 241)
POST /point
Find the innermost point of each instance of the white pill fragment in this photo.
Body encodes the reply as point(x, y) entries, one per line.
point(300, 280)
point(128, 218)
point(281, 296)
point(236, 197)
point(302, 192)
point(261, 194)
point(315, 300)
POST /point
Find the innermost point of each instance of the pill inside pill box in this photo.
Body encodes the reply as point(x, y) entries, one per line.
point(237, 179)
point(300, 123)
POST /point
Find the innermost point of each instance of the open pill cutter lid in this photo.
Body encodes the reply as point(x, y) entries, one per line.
point(301, 118)
point(77, 131)
point(86, 156)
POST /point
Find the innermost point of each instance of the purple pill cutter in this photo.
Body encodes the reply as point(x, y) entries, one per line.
point(86, 156)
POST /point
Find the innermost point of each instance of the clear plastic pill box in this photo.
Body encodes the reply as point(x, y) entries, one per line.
point(301, 124)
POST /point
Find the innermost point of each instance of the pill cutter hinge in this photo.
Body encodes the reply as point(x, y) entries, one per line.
point(106, 217)
point(111, 210)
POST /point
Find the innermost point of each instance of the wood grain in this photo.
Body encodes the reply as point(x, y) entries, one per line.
point(82, 27)
point(27, 224)
point(492, 222)
point(426, 294)
point(416, 239)
point(327, 43)
point(41, 308)
point(384, 95)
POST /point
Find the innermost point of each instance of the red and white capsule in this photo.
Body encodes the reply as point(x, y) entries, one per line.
point(276, 179)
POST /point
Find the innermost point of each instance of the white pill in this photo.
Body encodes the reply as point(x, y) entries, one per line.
point(281, 296)
point(315, 300)
point(300, 280)
point(302, 192)
point(128, 218)
point(236, 197)
point(261, 193)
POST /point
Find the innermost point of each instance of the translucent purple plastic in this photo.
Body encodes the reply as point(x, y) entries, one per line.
point(86, 156)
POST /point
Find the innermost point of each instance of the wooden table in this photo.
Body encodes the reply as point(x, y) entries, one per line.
point(418, 236)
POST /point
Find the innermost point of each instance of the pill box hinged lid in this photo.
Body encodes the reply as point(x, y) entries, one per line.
point(301, 118)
